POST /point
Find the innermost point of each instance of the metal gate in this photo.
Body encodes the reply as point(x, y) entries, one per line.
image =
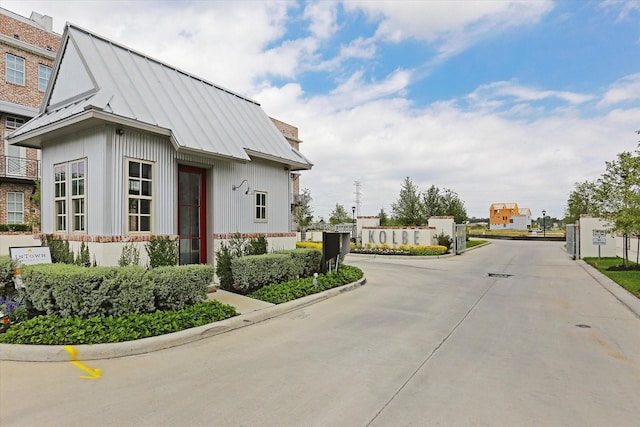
point(460, 239)
point(573, 240)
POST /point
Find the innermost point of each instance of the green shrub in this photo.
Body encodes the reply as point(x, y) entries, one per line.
point(130, 255)
point(69, 290)
point(7, 270)
point(162, 251)
point(15, 227)
point(287, 291)
point(444, 240)
point(55, 330)
point(177, 287)
point(223, 267)
point(306, 261)
point(60, 250)
point(237, 247)
point(256, 246)
point(250, 273)
point(84, 258)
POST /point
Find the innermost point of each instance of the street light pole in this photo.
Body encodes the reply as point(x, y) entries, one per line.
point(544, 223)
point(353, 224)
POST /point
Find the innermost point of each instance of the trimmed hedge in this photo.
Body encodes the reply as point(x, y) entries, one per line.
point(56, 330)
point(306, 261)
point(15, 227)
point(252, 272)
point(288, 291)
point(69, 290)
point(175, 288)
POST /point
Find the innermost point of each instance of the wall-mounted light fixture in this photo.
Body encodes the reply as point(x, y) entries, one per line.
point(119, 131)
point(235, 187)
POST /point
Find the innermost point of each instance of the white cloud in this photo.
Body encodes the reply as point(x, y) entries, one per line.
point(490, 94)
point(624, 89)
point(450, 26)
point(322, 15)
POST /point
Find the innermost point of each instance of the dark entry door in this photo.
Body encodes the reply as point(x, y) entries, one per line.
point(192, 215)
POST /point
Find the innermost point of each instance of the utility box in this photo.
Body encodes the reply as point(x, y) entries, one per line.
point(334, 247)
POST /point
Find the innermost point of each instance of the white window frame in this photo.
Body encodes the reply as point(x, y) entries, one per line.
point(70, 197)
point(260, 206)
point(44, 74)
point(134, 202)
point(15, 69)
point(78, 195)
point(60, 197)
point(12, 203)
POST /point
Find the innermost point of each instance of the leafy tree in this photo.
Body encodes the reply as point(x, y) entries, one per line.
point(617, 196)
point(339, 215)
point(408, 209)
point(451, 204)
point(432, 203)
point(581, 201)
point(303, 213)
point(384, 219)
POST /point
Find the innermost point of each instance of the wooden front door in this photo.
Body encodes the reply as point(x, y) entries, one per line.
point(192, 215)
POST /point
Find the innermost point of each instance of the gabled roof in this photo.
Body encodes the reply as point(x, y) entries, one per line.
point(97, 79)
point(504, 206)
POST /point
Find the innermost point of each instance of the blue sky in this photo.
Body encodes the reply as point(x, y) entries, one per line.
point(500, 101)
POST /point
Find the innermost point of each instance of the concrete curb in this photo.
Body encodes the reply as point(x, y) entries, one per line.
point(57, 353)
point(620, 293)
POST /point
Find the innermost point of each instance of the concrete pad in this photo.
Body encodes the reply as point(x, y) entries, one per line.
point(241, 303)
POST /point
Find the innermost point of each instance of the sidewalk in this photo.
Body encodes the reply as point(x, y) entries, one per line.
point(242, 304)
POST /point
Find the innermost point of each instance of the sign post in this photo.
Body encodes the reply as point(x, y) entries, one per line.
point(28, 255)
point(599, 239)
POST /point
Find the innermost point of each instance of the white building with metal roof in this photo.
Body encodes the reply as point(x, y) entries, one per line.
point(132, 147)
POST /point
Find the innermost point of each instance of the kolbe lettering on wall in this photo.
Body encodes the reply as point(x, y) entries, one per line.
point(394, 237)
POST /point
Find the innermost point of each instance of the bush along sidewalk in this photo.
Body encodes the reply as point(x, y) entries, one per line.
point(56, 330)
point(288, 291)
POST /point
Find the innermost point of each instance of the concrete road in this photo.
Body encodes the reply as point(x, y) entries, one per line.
point(424, 342)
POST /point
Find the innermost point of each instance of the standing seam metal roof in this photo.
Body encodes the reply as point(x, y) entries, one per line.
point(200, 115)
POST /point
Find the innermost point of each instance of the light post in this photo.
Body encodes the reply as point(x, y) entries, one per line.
point(544, 223)
point(353, 224)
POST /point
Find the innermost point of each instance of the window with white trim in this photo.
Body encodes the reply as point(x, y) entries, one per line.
point(15, 208)
point(15, 69)
point(78, 178)
point(60, 199)
point(70, 196)
point(139, 196)
point(260, 206)
point(44, 73)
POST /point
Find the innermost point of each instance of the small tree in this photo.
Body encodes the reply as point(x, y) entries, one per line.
point(303, 213)
point(408, 209)
point(452, 205)
point(339, 215)
point(162, 251)
point(581, 201)
point(618, 196)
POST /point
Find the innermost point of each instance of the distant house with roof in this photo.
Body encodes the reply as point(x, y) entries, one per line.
point(508, 216)
point(134, 148)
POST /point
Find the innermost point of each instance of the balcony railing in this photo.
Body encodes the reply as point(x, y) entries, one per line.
point(19, 167)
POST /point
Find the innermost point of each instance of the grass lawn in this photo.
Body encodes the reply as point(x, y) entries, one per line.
point(472, 243)
point(630, 280)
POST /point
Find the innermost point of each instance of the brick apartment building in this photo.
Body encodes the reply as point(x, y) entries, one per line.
point(28, 50)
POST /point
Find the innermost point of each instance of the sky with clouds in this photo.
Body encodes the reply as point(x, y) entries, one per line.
point(499, 101)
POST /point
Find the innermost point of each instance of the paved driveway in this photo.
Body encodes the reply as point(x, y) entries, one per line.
point(424, 342)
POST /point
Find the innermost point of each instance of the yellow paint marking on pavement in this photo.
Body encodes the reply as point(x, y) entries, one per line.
point(93, 373)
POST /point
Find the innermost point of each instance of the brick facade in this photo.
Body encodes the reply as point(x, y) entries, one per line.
point(33, 40)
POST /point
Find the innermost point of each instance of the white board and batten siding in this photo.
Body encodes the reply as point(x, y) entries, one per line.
point(235, 210)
